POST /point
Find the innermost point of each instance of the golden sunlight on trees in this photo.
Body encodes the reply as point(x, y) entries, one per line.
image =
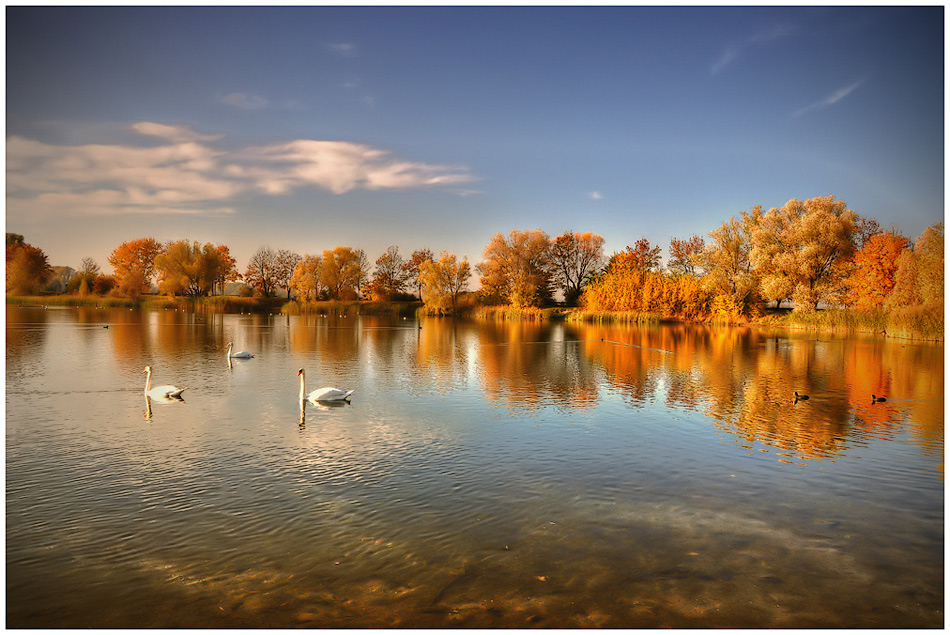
point(685, 255)
point(342, 271)
point(874, 271)
point(27, 267)
point(133, 263)
point(729, 276)
point(443, 281)
point(189, 268)
point(517, 269)
point(412, 268)
point(575, 258)
point(918, 294)
point(801, 250)
point(641, 257)
point(305, 280)
point(389, 278)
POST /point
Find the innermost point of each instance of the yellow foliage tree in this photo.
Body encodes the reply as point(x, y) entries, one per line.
point(443, 281)
point(802, 249)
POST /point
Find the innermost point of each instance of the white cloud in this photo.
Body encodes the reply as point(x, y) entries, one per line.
point(245, 101)
point(172, 133)
point(343, 48)
point(340, 166)
point(185, 175)
point(830, 100)
point(596, 196)
point(735, 50)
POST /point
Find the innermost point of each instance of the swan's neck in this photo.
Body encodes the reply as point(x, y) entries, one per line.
point(229, 350)
point(302, 392)
point(148, 380)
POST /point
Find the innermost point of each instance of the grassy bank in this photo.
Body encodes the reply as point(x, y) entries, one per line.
point(918, 323)
point(217, 304)
point(354, 307)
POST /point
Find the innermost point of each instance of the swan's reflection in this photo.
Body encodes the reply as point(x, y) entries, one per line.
point(319, 405)
point(148, 403)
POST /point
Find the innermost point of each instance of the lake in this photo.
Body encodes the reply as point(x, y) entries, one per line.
point(484, 474)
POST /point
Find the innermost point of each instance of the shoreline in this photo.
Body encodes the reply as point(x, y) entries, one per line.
point(919, 327)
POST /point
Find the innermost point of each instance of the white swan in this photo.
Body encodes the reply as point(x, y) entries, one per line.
point(160, 392)
point(322, 394)
point(240, 354)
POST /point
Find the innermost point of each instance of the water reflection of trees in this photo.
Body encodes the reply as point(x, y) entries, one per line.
point(744, 379)
point(527, 365)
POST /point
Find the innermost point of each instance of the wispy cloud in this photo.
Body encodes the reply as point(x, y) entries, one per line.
point(186, 175)
point(830, 100)
point(245, 101)
point(345, 49)
point(595, 196)
point(735, 50)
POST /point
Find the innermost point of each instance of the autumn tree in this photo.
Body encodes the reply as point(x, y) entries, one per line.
point(443, 281)
point(133, 264)
point(190, 268)
point(28, 267)
point(801, 250)
point(919, 279)
point(342, 271)
point(575, 257)
point(389, 277)
point(82, 281)
point(686, 255)
point(874, 271)
point(518, 268)
point(262, 271)
point(305, 280)
point(286, 261)
point(641, 257)
point(729, 277)
point(412, 268)
point(225, 269)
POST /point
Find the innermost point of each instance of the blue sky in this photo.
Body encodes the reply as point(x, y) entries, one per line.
point(307, 127)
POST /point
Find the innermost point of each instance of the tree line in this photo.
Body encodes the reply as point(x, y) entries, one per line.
point(811, 252)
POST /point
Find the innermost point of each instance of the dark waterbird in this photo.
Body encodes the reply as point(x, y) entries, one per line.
point(876, 399)
point(800, 397)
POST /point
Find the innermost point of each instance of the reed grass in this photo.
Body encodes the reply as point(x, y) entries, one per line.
point(511, 313)
point(354, 307)
point(608, 317)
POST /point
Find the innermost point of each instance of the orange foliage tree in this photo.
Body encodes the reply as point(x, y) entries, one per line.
point(27, 267)
point(685, 255)
point(641, 257)
point(133, 263)
point(875, 270)
point(622, 289)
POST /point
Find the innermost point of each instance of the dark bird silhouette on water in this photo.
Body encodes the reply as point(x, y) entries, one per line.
point(875, 399)
point(800, 397)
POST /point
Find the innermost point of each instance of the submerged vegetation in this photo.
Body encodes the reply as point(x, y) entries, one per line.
point(839, 271)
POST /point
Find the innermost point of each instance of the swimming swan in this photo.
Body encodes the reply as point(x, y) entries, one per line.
point(240, 355)
point(322, 394)
point(160, 392)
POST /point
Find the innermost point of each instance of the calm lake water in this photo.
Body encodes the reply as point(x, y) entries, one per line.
point(483, 475)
